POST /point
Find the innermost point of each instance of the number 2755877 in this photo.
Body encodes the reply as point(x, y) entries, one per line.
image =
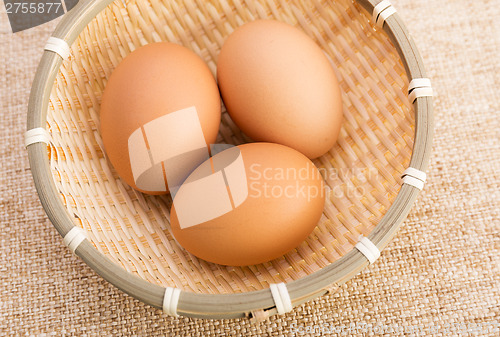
point(32, 8)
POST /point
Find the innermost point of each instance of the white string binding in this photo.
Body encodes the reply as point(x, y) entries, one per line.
point(381, 12)
point(411, 171)
point(281, 297)
point(414, 177)
point(170, 301)
point(74, 238)
point(368, 249)
point(419, 87)
point(409, 180)
point(58, 46)
point(36, 135)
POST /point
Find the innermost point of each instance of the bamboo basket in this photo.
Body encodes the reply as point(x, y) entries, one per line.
point(128, 239)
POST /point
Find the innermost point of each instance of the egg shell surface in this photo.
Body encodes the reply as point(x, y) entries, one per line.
point(284, 203)
point(153, 81)
point(279, 86)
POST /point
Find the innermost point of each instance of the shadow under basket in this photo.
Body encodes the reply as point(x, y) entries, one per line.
point(373, 174)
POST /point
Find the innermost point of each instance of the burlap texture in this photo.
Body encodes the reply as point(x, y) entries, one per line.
point(442, 269)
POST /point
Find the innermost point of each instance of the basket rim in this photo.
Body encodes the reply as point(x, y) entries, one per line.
point(218, 306)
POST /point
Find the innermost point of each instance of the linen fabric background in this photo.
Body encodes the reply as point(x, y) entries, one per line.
point(441, 270)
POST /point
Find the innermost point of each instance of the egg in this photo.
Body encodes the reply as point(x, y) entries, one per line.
point(248, 204)
point(279, 86)
point(160, 102)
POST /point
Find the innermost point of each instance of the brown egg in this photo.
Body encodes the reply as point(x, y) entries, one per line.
point(278, 86)
point(248, 204)
point(161, 101)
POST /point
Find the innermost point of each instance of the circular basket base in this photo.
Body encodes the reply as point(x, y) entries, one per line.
point(362, 171)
